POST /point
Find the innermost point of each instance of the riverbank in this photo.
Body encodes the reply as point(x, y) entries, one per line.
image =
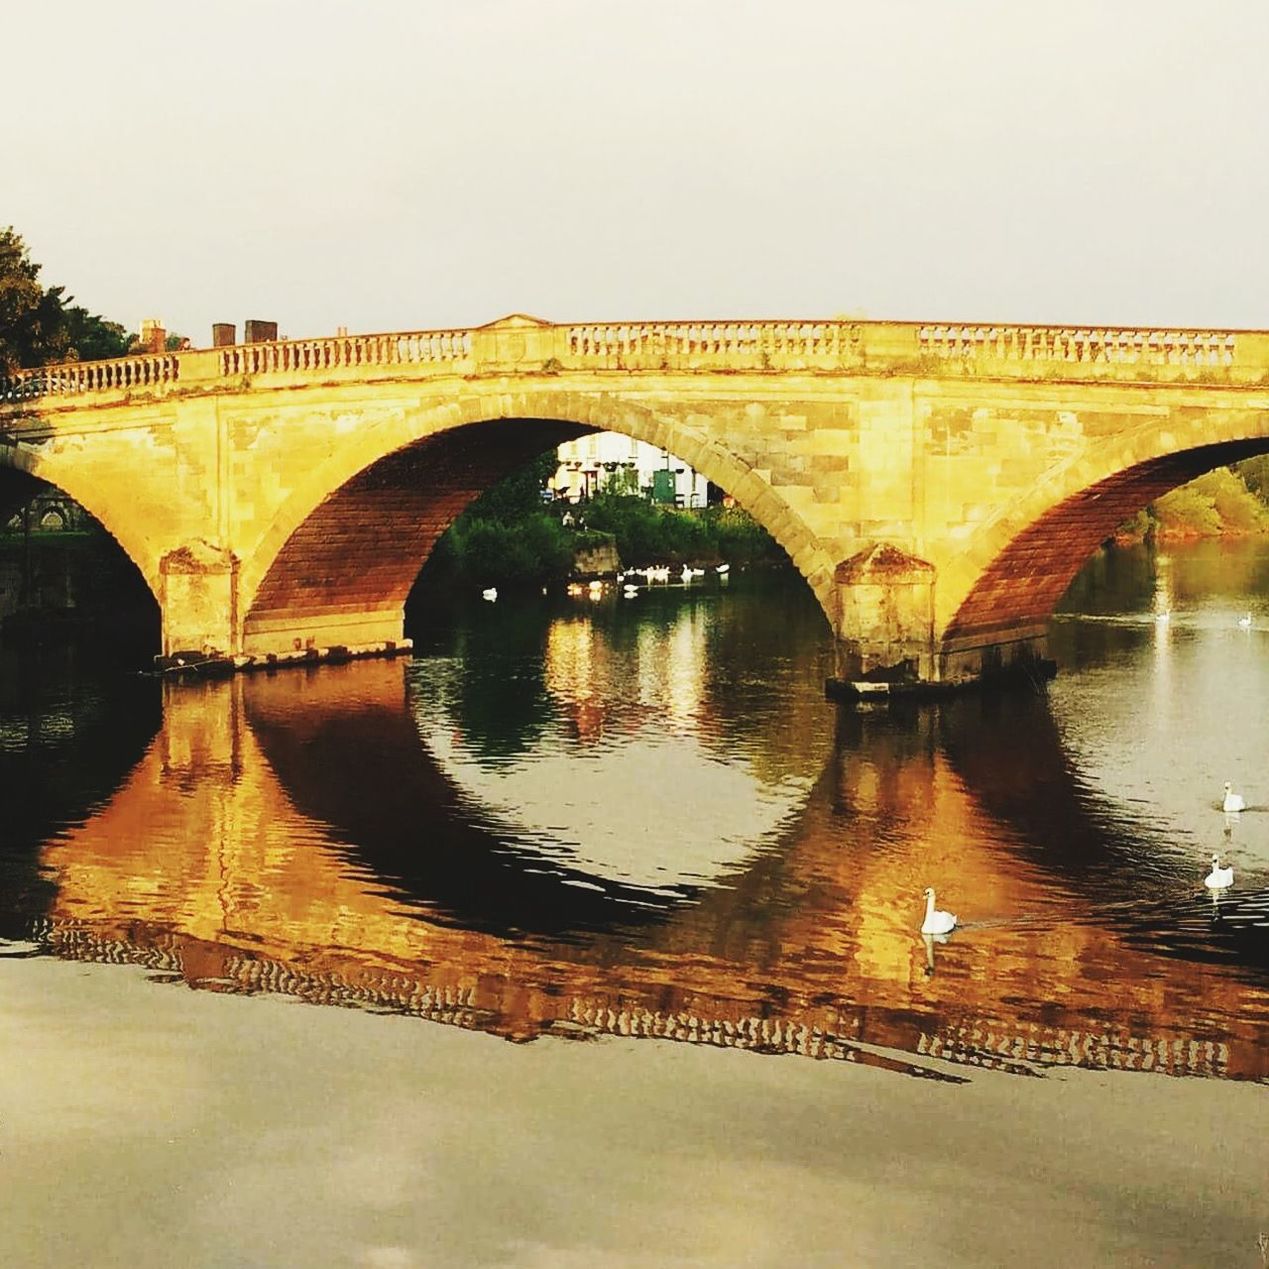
point(142, 1118)
point(1219, 503)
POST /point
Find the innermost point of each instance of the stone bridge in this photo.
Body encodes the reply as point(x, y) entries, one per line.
point(937, 486)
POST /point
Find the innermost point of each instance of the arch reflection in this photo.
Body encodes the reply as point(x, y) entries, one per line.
point(292, 835)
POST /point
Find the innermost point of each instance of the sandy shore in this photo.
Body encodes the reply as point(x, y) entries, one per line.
point(147, 1125)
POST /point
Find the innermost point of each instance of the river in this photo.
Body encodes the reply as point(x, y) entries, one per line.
point(631, 837)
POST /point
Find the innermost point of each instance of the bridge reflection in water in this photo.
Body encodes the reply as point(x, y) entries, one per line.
point(316, 847)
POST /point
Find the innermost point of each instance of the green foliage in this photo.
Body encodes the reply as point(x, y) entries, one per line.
point(650, 534)
point(40, 325)
point(1187, 511)
point(491, 551)
point(1239, 509)
point(518, 496)
point(92, 338)
point(508, 535)
point(1139, 526)
point(1254, 473)
point(1216, 502)
point(1227, 500)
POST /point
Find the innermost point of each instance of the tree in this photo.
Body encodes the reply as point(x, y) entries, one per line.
point(518, 494)
point(40, 325)
point(93, 338)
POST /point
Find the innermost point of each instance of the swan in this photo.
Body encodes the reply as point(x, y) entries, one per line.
point(1219, 878)
point(936, 922)
point(1245, 621)
point(1233, 801)
point(722, 568)
point(490, 593)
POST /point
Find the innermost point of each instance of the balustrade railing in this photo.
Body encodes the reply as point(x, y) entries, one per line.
point(738, 345)
point(1078, 344)
point(751, 341)
point(71, 378)
point(291, 355)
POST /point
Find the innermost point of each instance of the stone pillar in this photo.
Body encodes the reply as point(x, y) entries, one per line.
point(224, 334)
point(199, 600)
point(885, 617)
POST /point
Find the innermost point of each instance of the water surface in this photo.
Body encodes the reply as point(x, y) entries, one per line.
point(639, 822)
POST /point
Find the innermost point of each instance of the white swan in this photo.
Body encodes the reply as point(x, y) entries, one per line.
point(490, 593)
point(1233, 801)
point(1219, 878)
point(1245, 621)
point(722, 568)
point(936, 922)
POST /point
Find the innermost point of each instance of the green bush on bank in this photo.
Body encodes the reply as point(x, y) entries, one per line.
point(508, 536)
point(650, 534)
point(1227, 500)
point(534, 548)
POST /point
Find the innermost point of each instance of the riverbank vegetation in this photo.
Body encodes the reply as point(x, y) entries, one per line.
point(1225, 502)
point(510, 535)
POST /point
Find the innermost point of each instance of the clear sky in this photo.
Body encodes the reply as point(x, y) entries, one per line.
point(390, 166)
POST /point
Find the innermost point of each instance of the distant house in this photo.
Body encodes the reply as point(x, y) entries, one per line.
point(609, 461)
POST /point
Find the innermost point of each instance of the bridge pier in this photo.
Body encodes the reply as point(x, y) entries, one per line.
point(198, 598)
point(203, 630)
point(887, 640)
point(885, 617)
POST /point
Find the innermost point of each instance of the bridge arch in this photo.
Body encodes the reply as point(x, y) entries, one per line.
point(344, 547)
point(23, 471)
point(1017, 567)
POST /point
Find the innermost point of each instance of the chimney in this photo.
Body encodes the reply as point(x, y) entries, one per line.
point(153, 336)
point(224, 334)
point(258, 332)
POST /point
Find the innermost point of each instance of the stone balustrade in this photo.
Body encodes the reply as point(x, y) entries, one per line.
point(1079, 344)
point(747, 344)
point(752, 346)
point(76, 377)
point(289, 356)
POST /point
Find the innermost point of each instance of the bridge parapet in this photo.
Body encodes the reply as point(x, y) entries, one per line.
point(409, 348)
point(78, 377)
point(754, 347)
point(1084, 345)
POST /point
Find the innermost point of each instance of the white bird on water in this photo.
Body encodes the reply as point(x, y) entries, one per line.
point(936, 922)
point(490, 593)
point(1219, 878)
point(1233, 801)
point(1162, 617)
point(1245, 621)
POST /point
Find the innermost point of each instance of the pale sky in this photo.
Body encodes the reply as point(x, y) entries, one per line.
point(414, 165)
